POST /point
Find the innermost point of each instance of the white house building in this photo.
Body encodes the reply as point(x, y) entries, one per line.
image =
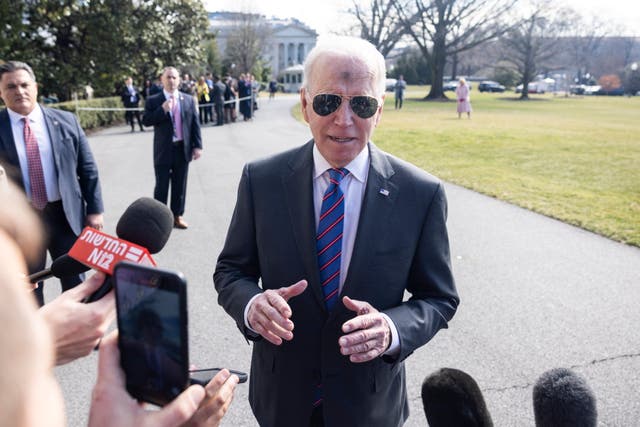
point(287, 43)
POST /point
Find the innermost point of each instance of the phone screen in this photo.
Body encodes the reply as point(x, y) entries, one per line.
point(152, 323)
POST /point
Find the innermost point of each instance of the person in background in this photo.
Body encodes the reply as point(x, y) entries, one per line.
point(46, 153)
point(463, 98)
point(336, 263)
point(130, 96)
point(273, 88)
point(218, 100)
point(399, 88)
point(187, 85)
point(204, 100)
point(244, 94)
point(176, 141)
point(230, 95)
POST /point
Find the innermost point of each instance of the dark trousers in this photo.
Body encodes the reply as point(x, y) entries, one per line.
point(317, 419)
point(129, 115)
point(176, 174)
point(59, 239)
point(219, 114)
point(399, 99)
point(206, 113)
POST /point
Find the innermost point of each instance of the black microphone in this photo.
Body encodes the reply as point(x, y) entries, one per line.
point(63, 266)
point(451, 397)
point(562, 398)
point(147, 223)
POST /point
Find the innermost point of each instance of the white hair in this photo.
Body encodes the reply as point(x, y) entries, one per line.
point(354, 48)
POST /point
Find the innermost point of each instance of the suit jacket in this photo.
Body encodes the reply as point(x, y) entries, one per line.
point(155, 116)
point(76, 168)
point(127, 99)
point(401, 245)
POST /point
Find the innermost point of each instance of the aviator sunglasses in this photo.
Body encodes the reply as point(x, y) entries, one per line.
point(363, 106)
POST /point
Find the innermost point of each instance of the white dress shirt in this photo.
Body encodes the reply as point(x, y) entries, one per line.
point(39, 128)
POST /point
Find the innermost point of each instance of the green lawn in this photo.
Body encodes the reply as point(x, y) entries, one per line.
point(576, 159)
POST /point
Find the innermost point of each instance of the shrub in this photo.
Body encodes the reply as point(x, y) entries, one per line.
point(90, 119)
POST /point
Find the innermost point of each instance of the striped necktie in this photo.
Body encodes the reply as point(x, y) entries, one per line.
point(329, 237)
point(34, 164)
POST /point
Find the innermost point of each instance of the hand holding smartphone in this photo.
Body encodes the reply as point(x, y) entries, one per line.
point(151, 306)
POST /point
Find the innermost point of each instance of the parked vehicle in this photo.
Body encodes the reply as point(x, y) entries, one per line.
point(534, 87)
point(452, 85)
point(390, 85)
point(490, 86)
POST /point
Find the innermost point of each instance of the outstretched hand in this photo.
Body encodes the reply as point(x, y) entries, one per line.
point(111, 404)
point(269, 314)
point(78, 327)
point(367, 335)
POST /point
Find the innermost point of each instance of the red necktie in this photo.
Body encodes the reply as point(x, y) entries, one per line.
point(34, 164)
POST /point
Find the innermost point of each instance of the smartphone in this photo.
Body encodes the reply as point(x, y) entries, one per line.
point(203, 376)
point(151, 307)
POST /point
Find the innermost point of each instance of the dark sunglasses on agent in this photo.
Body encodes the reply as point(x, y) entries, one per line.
point(363, 106)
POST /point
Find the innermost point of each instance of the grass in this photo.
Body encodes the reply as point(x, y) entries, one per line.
point(576, 159)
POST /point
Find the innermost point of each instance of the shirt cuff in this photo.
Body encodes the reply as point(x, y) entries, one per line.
point(246, 313)
point(394, 347)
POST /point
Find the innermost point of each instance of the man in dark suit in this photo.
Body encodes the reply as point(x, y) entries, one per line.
point(176, 141)
point(130, 96)
point(47, 154)
point(218, 100)
point(343, 364)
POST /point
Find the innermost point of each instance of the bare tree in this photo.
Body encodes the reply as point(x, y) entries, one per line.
point(246, 41)
point(534, 41)
point(444, 28)
point(584, 41)
point(379, 24)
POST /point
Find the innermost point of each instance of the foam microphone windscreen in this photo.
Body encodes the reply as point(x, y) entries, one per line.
point(146, 222)
point(451, 397)
point(65, 266)
point(562, 398)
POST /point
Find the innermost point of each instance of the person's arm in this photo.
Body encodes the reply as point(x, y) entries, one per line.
point(77, 327)
point(156, 110)
point(87, 172)
point(112, 406)
point(432, 304)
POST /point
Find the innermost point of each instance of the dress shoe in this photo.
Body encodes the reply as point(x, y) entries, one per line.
point(178, 222)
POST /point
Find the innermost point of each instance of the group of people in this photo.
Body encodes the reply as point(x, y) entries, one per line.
point(306, 271)
point(215, 98)
point(45, 159)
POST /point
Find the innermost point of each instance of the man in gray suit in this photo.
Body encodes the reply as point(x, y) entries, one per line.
point(343, 364)
point(46, 152)
point(176, 141)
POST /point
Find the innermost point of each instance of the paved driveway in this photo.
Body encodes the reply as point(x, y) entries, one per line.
point(536, 293)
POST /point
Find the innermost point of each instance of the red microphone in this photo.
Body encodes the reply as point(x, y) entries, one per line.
point(101, 251)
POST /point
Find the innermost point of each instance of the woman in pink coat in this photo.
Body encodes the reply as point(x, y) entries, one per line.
point(464, 100)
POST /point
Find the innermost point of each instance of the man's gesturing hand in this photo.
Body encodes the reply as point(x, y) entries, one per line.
point(269, 314)
point(367, 335)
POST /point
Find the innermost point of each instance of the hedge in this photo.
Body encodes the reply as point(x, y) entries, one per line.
point(91, 119)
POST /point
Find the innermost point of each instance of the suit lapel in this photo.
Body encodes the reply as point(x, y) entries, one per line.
point(378, 203)
point(298, 186)
point(53, 127)
point(6, 138)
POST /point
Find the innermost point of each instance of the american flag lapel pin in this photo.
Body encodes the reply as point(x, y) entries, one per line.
point(384, 191)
